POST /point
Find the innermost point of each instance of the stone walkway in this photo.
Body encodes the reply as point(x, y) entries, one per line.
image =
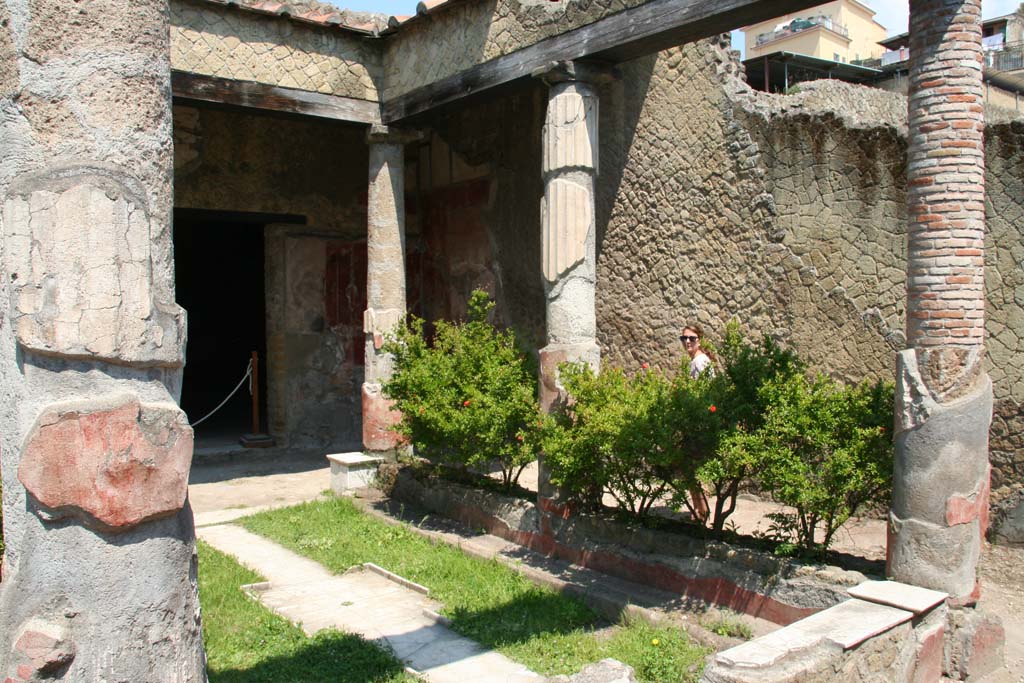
point(368, 601)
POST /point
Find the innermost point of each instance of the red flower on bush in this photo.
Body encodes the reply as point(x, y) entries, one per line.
point(465, 404)
point(712, 409)
point(519, 437)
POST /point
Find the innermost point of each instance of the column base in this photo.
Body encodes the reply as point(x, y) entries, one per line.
point(939, 510)
point(379, 418)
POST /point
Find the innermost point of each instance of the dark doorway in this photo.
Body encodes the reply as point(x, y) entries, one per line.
point(219, 281)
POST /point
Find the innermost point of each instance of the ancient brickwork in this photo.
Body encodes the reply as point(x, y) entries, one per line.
point(939, 512)
point(945, 182)
point(468, 33)
point(229, 43)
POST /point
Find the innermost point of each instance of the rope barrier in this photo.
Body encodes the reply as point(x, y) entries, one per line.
point(247, 375)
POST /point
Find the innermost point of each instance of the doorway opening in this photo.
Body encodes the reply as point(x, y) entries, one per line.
point(219, 280)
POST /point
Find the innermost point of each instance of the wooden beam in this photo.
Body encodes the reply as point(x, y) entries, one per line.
point(189, 87)
point(632, 33)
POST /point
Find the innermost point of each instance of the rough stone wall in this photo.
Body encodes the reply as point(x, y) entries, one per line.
point(439, 45)
point(314, 395)
point(228, 43)
point(834, 157)
point(234, 162)
point(1004, 282)
point(316, 169)
point(688, 238)
point(715, 202)
point(504, 136)
point(99, 575)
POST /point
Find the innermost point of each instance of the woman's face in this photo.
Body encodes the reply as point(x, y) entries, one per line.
point(691, 341)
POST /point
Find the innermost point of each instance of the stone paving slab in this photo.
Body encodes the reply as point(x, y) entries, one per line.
point(368, 603)
point(847, 625)
point(895, 594)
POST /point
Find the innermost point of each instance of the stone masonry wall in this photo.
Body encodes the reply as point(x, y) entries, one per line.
point(784, 212)
point(227, 161)
point(469, 33)
point(230, 43)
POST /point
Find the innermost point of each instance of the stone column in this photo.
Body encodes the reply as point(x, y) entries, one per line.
point(569, 167)
point(385, 278)
point(99, 572)
point(944, 396)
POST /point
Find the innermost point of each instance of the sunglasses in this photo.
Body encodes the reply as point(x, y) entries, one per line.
point(688, 337)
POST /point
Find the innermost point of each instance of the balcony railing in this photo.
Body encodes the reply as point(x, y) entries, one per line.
point(798, 25)
point(1005, 57)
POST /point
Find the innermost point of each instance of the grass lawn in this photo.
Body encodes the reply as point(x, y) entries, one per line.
point(485, 600)
point(247, 643)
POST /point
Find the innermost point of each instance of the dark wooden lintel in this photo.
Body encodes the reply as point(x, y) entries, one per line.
point(197, 88)
point(632, 33)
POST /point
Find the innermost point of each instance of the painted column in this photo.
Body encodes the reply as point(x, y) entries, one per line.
point(385, 278)
point(569, 167)
point(944, 396)
point(99, 572)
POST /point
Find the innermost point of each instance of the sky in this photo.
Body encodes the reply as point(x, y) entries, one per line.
point(890, 13)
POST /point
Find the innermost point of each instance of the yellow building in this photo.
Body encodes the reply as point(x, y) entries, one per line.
point(840, 31)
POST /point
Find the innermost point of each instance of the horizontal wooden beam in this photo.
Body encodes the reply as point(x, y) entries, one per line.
point(632, 33)
point(196, 88)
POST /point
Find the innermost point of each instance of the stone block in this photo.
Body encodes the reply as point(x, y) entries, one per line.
point(895, 594)
point(352, 471)
point(113, 460)
point(77, 250)
point(605, 671)
point(845, 625)
point(927, 665)
point(975, 645)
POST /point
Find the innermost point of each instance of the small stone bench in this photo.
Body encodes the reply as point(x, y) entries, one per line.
point(352, 471)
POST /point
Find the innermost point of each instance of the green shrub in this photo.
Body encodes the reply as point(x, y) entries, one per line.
point(614, 438)
point(712, 412)
point(469, 399)
point(824, 449)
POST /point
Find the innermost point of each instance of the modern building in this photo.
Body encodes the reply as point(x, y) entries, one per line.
point(1003, 41)
point(838, 31)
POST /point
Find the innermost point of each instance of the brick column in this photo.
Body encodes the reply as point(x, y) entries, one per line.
point(944, 396)
point(568, 230)
point(385, 278)
point(99, 573)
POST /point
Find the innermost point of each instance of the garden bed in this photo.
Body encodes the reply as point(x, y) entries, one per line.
point(681, 558)
point(547, 630)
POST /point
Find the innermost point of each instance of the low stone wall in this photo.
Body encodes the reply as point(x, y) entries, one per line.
point(887, 633)
point(742, 579)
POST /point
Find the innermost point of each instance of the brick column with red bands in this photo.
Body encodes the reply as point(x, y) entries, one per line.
point(943, 395)
point(945, 176)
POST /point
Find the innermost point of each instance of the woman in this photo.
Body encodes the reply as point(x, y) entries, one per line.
point(700, 360)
